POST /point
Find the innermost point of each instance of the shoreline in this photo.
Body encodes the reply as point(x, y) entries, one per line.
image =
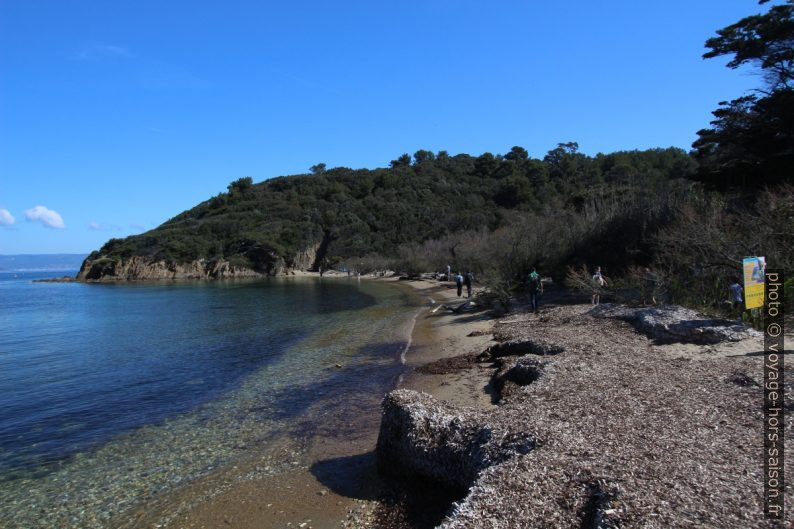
point(443, 335)
point(351, 359)
point(340, 487)
point(331, 480)
point(254, 276)
point(600, 366)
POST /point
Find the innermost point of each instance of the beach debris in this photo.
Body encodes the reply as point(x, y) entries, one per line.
point(514, 372)
point(536, 346)
point(448, 365)
point(742, 379)
point(466, 305)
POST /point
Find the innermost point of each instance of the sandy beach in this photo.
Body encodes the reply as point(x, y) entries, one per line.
point(340, 486)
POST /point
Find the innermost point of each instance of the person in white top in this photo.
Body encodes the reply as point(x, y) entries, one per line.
point(598, 283)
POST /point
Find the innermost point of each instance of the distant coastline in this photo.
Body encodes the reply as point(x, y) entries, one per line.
point(56, 262)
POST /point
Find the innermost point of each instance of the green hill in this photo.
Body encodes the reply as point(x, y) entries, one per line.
point(310, 220)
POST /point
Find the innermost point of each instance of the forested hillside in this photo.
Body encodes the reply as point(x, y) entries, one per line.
point(353, 213)
point(689, 217)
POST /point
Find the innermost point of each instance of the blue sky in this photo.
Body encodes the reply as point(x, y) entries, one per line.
point(115, 116)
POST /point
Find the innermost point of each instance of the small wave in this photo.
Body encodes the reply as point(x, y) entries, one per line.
point(410, 339)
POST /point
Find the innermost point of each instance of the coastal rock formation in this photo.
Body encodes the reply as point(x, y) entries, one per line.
point(140, 268)
point(424, 437)
point(258, 261)
point(671, 323)
point(306, 259)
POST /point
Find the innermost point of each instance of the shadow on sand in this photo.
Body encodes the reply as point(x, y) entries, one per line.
point(404, 503)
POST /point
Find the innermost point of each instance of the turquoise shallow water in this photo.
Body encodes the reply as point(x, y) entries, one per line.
point(113, 394)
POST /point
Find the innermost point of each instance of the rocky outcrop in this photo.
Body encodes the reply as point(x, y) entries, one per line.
point(671, 323)
point(140, 268)
point(261, 261)
point(423, 437)
point(306, 259)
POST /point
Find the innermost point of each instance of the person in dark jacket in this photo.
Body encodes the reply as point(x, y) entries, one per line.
point(459, 283)
point(468, 279)
point(535, 289)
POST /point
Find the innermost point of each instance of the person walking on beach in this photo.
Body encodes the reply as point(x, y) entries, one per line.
point(598, 283)
point(735, 292)
point(468, 279)
point(535, 288)
point(449, 272)
point(649, 281)
point(459, 283)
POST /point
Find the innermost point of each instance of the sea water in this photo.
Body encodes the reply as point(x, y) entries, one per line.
point(112, 394)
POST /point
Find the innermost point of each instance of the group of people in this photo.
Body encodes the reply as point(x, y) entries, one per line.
point(649, 289)
point(535, 287)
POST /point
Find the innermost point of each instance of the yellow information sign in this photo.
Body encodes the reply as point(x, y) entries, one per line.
point(754, 281)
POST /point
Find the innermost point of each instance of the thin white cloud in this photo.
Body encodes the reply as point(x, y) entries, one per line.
point(48, 217)
point(102, 51)
point(98, 226)
point(6, 218)
point(110, 49)
point(149, 74)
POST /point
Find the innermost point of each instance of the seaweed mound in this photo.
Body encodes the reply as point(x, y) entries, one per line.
point(424, 437)
point(513, 373)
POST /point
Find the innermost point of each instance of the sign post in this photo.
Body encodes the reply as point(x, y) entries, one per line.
point(753, 268)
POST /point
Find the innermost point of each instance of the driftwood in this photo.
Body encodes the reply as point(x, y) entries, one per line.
point(462, 307)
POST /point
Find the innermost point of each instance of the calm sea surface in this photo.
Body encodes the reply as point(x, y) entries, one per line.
point(111, 394)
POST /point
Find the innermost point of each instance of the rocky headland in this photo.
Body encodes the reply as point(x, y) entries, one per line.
point(260, 262)
point(143, 269)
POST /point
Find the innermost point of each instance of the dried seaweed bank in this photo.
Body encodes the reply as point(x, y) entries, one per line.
point(615, 430)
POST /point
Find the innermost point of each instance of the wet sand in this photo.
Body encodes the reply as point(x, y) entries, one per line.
point(445, 334)
point(319, 497)
point(330, 482)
